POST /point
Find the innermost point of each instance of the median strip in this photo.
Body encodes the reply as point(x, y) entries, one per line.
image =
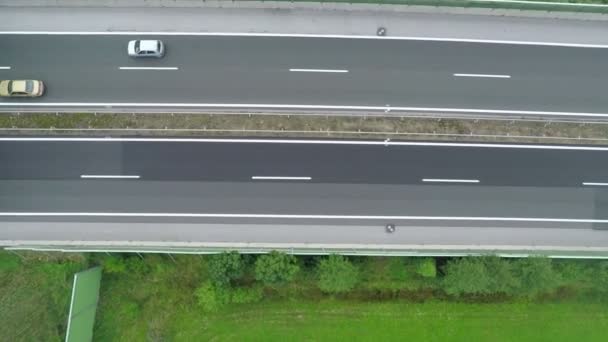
point(148, 68)
point(109, 176)
point(482, 75)
point(444, 180)
point(320, 70)
point(279, 178)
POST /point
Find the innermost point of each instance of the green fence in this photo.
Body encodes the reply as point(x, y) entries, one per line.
point(85, 295)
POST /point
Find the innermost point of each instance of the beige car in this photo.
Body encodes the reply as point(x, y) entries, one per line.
point(21, 88)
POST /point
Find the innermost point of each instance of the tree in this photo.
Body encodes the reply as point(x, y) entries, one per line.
point(536, 275)
point(502, 276)
point(337, 274)
point(466, 276)
point(225, 267)
point(426, 267)
point(275, 268)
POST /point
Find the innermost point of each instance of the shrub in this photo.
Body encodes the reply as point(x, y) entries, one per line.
point(466, 276)
point(225, 267)
point(503, 278)
point(208, 297)
point(426, 268)
point(137, 266)
point(114, 264)
point(8, 262)
point(275, 268)
point(397, 270)
point(537, 275)
point(337, 274)
point(246, 295)
point(599, 280)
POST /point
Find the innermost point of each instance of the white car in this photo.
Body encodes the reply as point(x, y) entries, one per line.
point(146, 48)
point(21, 88)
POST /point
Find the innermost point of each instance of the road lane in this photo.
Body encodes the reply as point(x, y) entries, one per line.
point(374, 202)
point(324, 162)
point(255, 70)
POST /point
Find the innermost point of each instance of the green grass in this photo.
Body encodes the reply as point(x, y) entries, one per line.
point(34, 296)
point(357, 321)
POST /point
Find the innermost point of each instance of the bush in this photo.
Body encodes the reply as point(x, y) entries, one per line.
point(537, 275)
point(503, 278)
point(466, 276)
point(225, 267)
point(276, 268)
point(212, 297)
point(8, 262)
point(209, 298)
point(337, 274)
point(426, 268)
point(576, 273)
point(246, 295)
point(114, 264)
point(599, 280)
point(397, 270)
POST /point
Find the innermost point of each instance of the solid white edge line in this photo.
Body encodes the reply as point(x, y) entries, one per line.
point(320, 70)
point(311, 142)
point(109, 176)
point(148, 68)
point(299, 216)
point(594, 184)
point(296, 106)
point(279, 178)
point(5, 68)
point(67, 333)
point(289, 35)
point(445, 180)
point(482, 75)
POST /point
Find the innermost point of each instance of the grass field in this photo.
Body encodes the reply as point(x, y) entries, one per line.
point(35, 295)
point(435, 321)
point(152, 300)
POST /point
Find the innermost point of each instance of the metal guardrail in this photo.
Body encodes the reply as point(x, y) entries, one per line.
point(538, 5)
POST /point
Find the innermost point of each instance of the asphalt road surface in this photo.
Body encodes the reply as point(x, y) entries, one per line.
point(81, 69)
point(354, 162)
point(293, 192)
point(302, 177)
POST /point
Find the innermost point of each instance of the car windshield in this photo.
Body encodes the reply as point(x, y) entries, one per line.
point(29, 87)
point(137, 46)
point(10, 87)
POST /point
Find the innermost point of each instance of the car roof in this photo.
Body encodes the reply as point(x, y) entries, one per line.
point(18, 86)
point(148, 45)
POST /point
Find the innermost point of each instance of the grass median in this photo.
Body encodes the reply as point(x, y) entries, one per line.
point(316, 126)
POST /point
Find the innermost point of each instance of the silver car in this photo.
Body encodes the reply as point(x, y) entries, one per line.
point(146, 48)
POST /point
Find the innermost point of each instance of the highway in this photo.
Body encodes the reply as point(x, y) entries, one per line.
point(308, 73)
point(308, 161)
point(293, 192)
